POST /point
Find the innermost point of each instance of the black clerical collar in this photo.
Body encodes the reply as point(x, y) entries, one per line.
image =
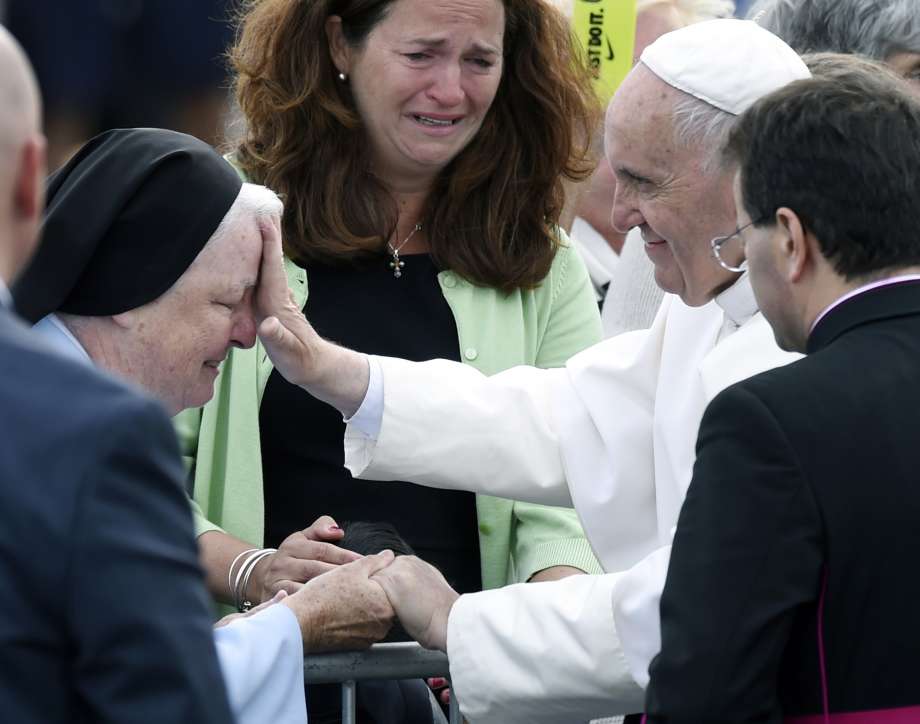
point(898, 298)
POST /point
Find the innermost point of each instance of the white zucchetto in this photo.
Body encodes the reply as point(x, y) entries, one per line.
point(727, 63)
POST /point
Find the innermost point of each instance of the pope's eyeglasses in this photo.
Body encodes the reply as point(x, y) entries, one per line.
point(721, 241)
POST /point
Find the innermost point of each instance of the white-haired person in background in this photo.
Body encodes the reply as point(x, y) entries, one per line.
point(884, 30)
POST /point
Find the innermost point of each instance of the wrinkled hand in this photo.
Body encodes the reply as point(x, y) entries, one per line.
point(332, 374)
point(303, 556)
point(421, 598)
point(288, 337)
point(230, 618)
point(344, 609)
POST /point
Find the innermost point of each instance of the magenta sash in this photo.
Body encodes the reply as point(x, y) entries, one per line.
point(901, 715)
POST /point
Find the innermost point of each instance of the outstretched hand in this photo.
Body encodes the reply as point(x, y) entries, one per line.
point(333, 374)
point(421, 598)
point(288, 337)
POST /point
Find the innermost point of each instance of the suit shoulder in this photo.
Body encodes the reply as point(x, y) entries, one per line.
point(776, 383)
point(59, 405)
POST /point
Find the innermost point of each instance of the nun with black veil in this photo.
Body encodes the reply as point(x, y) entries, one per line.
point(151, 255)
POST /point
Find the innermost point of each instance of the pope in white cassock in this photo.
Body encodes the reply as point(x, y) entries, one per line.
point(613, 433)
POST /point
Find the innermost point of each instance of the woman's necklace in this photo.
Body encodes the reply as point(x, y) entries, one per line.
point(397, 264)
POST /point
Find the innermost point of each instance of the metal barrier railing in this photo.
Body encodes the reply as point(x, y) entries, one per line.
point(382, 661)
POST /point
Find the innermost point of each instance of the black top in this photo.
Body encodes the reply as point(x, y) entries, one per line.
point(366, 309)
point(105, 613)
point(806, 480)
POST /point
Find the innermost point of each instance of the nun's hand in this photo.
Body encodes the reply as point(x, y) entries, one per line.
point(344, 609)
point(330, 373)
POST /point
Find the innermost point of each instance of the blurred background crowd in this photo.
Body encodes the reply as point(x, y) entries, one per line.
point(121, 63)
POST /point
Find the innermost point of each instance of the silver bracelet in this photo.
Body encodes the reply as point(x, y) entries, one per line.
point(235, 588)
point(230, 583)
point(243, 603)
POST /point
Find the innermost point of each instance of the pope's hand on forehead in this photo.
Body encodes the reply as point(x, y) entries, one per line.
point(284, 331)
point(330, 373)
point(273, 295)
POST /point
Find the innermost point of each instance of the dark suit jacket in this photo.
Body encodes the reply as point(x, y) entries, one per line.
point(802, 470)
point(103, 612)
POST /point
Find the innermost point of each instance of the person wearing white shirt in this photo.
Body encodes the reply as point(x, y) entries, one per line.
point(613, 433)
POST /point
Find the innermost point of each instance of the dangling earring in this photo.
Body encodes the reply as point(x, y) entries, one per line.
point(343, 77)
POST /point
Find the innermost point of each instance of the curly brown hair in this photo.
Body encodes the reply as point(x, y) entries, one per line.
point(304, 139)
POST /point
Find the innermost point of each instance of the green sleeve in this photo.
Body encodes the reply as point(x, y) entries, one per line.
point(186, 424)
point(545, 536)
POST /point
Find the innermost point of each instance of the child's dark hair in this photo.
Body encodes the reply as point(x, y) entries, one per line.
point(367, 538)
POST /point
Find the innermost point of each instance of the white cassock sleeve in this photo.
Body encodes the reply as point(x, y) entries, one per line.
point(549, 653)
point(510, 450)
point(542, 652)
point(261, 657)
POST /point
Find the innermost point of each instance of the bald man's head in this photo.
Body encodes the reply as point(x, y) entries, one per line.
point(22, 158)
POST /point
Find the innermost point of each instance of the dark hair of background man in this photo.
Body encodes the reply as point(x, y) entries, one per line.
point(810, 144)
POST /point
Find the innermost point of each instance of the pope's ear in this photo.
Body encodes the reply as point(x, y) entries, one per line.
point(794, 250)
point(126, 320)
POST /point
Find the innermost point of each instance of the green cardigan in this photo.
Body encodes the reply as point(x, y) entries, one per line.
point(541, 327)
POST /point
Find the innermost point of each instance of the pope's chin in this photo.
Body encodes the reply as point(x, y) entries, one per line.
point(667, 275)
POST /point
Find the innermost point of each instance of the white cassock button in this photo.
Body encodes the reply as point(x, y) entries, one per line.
point(449, 281)
point(471, 353)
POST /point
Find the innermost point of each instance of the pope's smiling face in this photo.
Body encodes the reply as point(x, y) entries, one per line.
point(666, 190)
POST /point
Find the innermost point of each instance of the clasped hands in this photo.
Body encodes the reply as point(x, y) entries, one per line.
point(355, 605)
point(352, 602)
point(349, 601)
